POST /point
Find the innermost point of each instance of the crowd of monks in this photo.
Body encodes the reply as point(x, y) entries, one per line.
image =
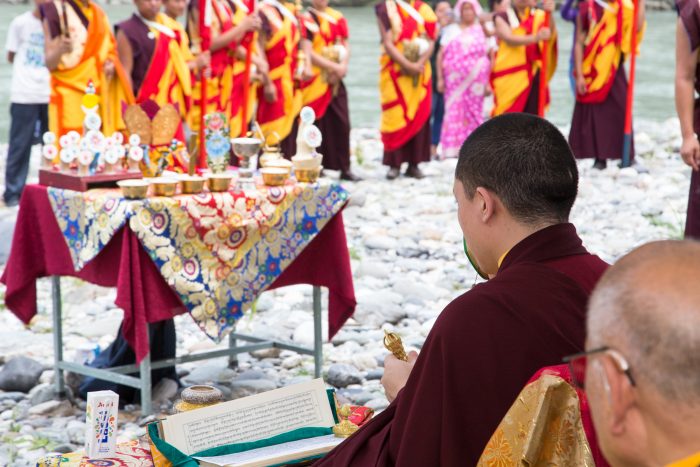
point(253, 61)
point(262, 60)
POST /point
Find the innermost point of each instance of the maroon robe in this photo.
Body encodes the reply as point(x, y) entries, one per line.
point(598, 129)
point(335, 127)
point(482, 350)
point(143, 44)
point(689, 13)
point(53, 17)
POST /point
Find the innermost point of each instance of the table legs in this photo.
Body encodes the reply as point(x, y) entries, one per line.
point(232, 344)
point(318, 332)
point(145, 379)
point(57, 333)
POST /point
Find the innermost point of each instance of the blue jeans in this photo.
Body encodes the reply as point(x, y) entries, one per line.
point(438, 113)
point(29, 122)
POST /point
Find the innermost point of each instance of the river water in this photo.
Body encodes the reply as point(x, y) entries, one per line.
point(654, 85)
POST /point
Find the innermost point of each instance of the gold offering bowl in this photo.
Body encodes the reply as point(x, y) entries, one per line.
point(196, 397)
point(274, 176)
point(133, 189)
point(308, 175)
point(268, 157)
point(281, 164)
point(192, 184)
point(163, 186)
point(219, 181)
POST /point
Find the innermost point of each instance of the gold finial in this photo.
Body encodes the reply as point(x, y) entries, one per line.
point(393, 344)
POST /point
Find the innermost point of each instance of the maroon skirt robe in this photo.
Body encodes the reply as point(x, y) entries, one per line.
point(143, 44)
point(481, 352)
point(335, 127)
point(689, 13)
point(597, 130)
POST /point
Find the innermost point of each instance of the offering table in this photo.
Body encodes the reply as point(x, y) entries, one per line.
point(210, 254)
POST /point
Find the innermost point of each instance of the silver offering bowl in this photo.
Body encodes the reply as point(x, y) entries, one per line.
point(245, 149)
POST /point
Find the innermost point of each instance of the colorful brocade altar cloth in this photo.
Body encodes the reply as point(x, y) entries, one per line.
point(210, 254)
point(129, 454)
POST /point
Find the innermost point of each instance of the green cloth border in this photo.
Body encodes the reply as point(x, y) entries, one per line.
point(180, 459)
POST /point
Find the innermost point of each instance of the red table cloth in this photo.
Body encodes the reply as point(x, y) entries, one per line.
point(39, 250)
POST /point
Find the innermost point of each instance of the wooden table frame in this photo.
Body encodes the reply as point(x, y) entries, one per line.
point(120, 374)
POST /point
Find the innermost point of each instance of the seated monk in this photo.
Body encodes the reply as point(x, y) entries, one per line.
point(642, 359)
point(515, 183)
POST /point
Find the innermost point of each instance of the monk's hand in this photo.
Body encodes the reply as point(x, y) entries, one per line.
point(690, 152)
point(543, 34)
point(548, 5)
point(109, 69)
point(203, 60)
point(441, 85)
point(396, 373)
point(65, 46)
point(412, 69)
point(270, 92)
point(251, 23)
point(581, 85)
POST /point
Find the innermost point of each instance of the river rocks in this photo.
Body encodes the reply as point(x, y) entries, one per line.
point(341, 375)
point(249, 387)
point(20, 374)
point(52, 409)
point(207, 374)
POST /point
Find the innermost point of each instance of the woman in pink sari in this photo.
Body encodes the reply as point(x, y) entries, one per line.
point(463, 74)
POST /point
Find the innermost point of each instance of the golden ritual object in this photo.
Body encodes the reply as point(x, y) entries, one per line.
point(165, 125)
point(344, 428)
point(192, 184)
point(393, 344)
point(163, 186)
point(137, 122)
point(134, 188)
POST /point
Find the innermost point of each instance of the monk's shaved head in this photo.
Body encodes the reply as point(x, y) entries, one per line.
point(647, 306)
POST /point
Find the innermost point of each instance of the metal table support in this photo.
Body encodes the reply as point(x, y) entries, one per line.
point(121, 374)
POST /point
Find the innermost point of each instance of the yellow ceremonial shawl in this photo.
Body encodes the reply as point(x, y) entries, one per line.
point(607, 45)
point(405, 105)
point(281, 52)
point(327, 27)
point(219, 83)
point(93, 46)
point(515, 66)
point(243, 8)
point(168, 78)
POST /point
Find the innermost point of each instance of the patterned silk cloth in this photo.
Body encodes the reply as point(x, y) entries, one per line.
point(217, 251)
point(542, 427)
point(129, 454)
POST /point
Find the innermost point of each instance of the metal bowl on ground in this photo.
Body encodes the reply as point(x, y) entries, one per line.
point(274, 176)
point(219, 182)
point(134, 189)
point(196, 397)
point(192, 184)
point(308, 175)
point(163, 186)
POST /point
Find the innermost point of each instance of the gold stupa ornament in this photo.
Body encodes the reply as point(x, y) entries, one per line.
point(393, 344)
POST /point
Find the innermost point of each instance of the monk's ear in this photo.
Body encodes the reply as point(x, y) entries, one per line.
point(621, 397)
point(485, 203)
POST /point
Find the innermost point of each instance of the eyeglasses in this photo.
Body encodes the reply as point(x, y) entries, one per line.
point(577, 365)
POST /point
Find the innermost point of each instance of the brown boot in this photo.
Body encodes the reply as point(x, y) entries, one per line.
point(349, 176)
point(393, 173)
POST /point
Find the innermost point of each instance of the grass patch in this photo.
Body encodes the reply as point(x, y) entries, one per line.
point(354, 254)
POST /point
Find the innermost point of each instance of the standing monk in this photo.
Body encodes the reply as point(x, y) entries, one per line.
point(80, 48)
point(688, 108)
point(515, 76)
point(155, 55)
point(603, 33)
point(515, 183)
point(218, 33)
point(407, 31)
point(279, 97)
point(325, 91)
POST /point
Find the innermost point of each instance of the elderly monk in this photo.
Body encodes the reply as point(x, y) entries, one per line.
point(80, 48)
point(687, 84)
point(643, 356)
point(515, 183)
